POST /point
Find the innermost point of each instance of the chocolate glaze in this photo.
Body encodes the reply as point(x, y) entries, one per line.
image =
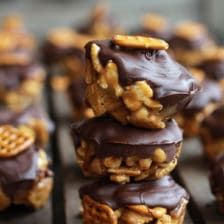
point(114, 139)
point(217, 174)
point(155, 193)
point(171, 83)
point(213, 68)
point(11, 76)
point(210, 92)
point(76, 91)
point(18, 168)
point(52, 54)
point(215, 123)
point(16, 118)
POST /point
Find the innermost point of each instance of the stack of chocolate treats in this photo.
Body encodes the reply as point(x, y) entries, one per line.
point(134, 88)
point(25, 177)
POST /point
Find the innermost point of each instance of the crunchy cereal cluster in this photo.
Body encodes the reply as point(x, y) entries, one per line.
point(121, 170)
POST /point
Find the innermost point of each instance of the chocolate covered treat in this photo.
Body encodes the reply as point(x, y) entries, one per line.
point(217, 181)
point(157, 201)
point(104, 147)
point(190, 42)
point(32, 119)
point(213, 65)
point(134, 79)
point(202, 105)
point(154, 25)
point(212, 133)
point(25, 178)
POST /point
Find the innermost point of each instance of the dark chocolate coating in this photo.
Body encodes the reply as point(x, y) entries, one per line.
point(19, 168)
point(171, 83)
point(114, 139)
point(163, 192)
point(213, 68)
point(52, 54)
point(210, 92)
point(215, 123)
point(11, 76)
point(217, 175)
point(15, 118)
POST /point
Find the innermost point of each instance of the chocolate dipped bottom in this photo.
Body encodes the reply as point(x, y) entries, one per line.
point(156, 193)
point(172, 84)
point(111, 138)
point(210, 92)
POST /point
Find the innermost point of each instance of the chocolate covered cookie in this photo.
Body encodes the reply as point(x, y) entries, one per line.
point(190, 42)
point(157, 201)
point(136, 81)
point(217, 180)
point(24, 174)
point(104, 147)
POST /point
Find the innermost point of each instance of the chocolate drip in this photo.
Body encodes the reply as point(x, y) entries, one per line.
point(215, 123)
point(210, 92)
point(155, 193)
point(170, 81)
point(21, 167)
point(217, 174)
point(52, 53)
point(214, 68)
point(114, 139)
point(11, 76)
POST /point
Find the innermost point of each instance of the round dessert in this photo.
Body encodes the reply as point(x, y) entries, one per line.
point(24, 174)
point(32, 119)
point(154, 25)
point(190, 41)
point(76, 93)
point(202, 104)
point(136, 81)
point(217, 181)
point(21, 85)
point(212, 133)
point(104, 147)
point(156, 201)
point(213, 65)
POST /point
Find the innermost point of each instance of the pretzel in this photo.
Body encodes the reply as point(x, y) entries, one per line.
point(13, 141)
point(140, 42)
point(96, 211)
